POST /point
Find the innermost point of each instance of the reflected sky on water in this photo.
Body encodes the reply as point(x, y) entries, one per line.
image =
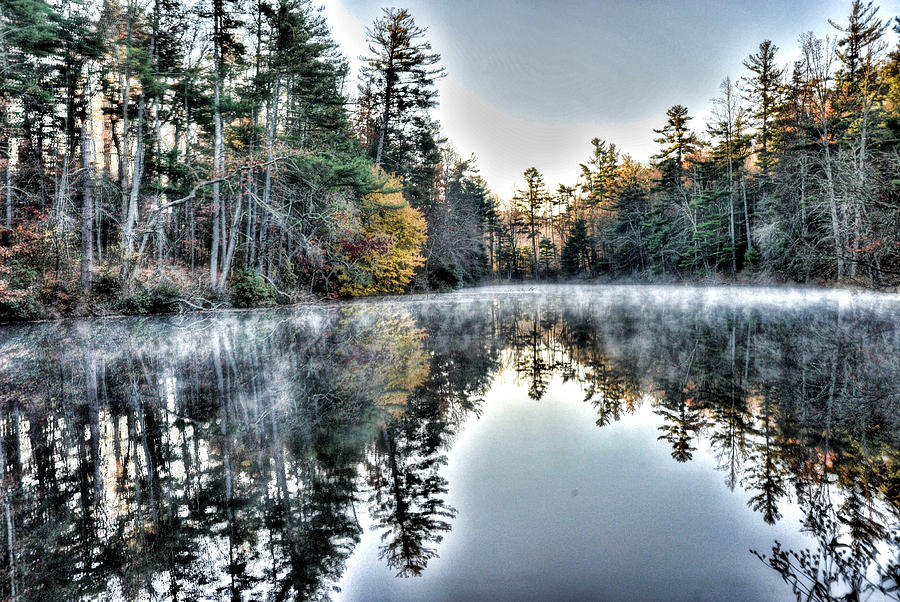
point(558, 442)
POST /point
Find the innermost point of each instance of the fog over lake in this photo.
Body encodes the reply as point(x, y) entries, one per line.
point(515, 442)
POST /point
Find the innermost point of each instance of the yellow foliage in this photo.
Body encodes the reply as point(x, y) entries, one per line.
point(387, 359)
point(891, 74)
point(394, 233)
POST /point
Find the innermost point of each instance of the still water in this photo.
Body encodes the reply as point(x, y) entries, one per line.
point(513, 443)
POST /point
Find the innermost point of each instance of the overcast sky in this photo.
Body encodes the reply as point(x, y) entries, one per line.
point(531, 82)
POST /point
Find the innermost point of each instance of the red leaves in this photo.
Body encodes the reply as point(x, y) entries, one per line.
point(867, 248)
point(362, 246)
point(34, 213)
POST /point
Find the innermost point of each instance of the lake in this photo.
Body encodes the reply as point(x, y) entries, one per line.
point(504, 443)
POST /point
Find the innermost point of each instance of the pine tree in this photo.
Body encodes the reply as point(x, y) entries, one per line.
point(892, 77)
point(575, 256)
point(532, 200)
point(763, 88)
point(599, 172)
point(727, 127)
point(858, 50)
point(678, 142)
point(401, 73)
point(630, 206)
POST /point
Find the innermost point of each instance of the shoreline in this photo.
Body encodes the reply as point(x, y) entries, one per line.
point(597, 281)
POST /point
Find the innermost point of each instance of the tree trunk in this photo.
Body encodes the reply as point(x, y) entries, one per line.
point(271, 130)
point(218, 143)
point(388, 99)
point(833, 210)
point(87, 211)
point(731, 229)
point(10, 523)
point(160, 214)
point(8, 183)
point(124, 144)
point(235, 224)
point(6, 136)
point(804, 231)
point(128, 233)
point(746, 212)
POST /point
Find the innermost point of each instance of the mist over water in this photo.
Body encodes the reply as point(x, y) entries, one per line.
point(550, 442)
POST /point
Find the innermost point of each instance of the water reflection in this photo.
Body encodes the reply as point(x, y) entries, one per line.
point(228, 456)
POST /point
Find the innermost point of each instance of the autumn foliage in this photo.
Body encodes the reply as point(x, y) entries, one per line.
point(383, 256)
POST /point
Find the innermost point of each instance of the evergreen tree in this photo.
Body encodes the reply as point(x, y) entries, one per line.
point(858, 51)
point(532, 200)
point(548, 259)
point(631, 206)
point(763, 91)
point(401, 73)
point(576, 254)
point(599, 172)
point(728, 127)
point(672, 219)
point(679, 143)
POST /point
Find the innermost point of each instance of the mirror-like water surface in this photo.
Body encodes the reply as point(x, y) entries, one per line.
point(506, 443)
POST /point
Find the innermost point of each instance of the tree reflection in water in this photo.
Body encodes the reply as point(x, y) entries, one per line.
point(228, 455)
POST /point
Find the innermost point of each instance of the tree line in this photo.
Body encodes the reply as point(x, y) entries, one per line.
point(177, 154)
point(168, 154)
point(794, 178)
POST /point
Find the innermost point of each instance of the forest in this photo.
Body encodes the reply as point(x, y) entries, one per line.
point(172, 155)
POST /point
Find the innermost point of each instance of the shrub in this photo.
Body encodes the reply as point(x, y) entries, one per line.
point(60, 295)
point(445, 275)
point(250, 289)
point(106, 285)
point(20, 309)
point(157, 299)
point(751, 257)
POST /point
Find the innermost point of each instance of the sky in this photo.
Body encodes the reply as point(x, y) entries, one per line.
point(529, 83)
